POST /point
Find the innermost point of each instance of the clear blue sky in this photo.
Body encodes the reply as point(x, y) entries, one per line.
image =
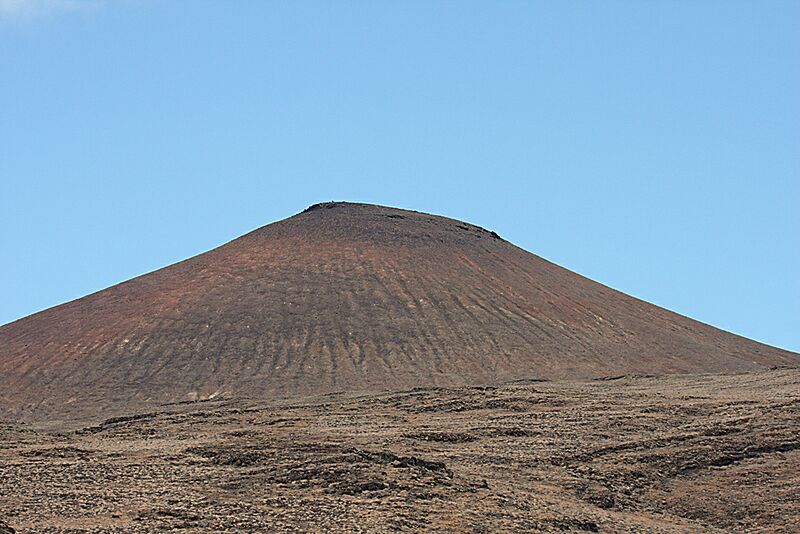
point(652, 146)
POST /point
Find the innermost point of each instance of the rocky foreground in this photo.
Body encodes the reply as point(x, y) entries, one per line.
point(694, 453)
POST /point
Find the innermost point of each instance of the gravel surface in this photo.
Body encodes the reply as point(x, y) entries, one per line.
point(692, 453)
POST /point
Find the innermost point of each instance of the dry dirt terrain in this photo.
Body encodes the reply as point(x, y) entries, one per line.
point(686, 453)
point(241, 391)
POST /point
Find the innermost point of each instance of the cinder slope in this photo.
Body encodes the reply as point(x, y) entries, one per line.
point(345, 297)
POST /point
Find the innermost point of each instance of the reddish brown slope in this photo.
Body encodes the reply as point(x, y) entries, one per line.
point(345, 297)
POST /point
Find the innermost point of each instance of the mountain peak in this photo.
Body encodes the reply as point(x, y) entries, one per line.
point(345, 296)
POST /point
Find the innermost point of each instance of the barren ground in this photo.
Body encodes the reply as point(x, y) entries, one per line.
point(697, 453)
